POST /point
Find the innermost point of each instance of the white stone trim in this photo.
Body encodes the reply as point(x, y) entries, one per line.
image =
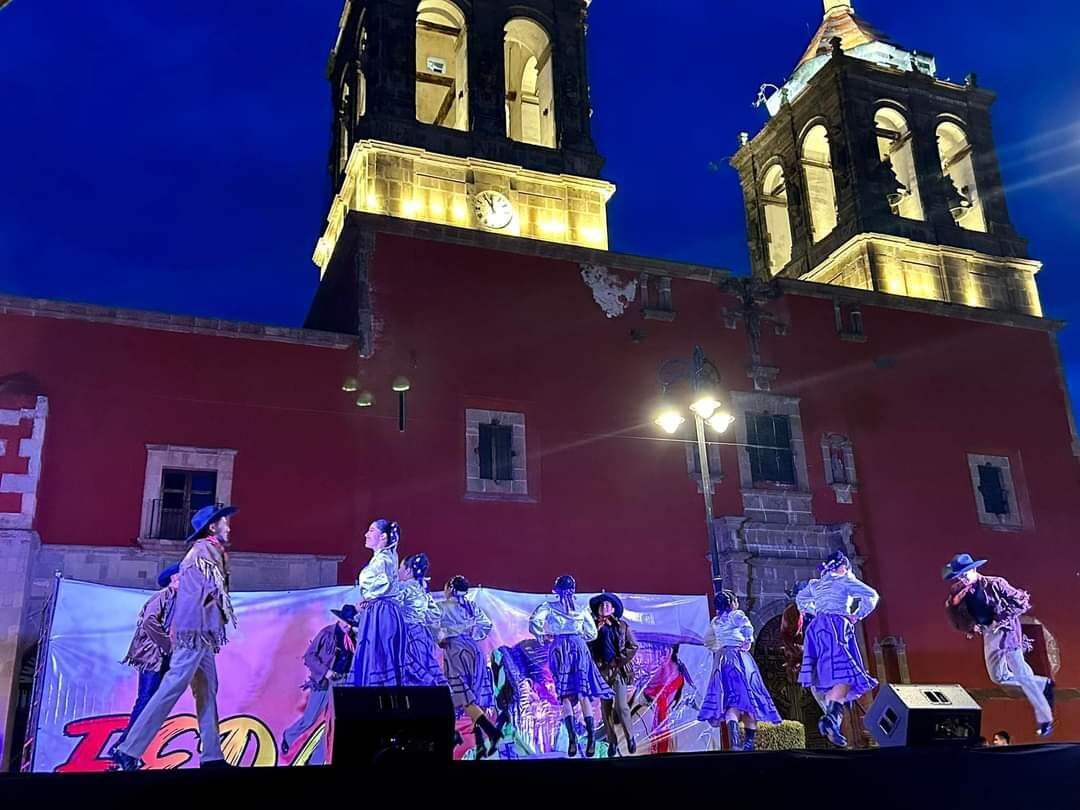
point(25, 484)
point(483, 489)
point(1015, 519)
point(761, 402)
point(161, 456)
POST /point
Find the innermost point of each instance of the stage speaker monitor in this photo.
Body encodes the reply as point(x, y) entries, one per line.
point(367, 724)
point(924, 714)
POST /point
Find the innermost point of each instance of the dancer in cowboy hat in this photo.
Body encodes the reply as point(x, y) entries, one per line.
point(329, 659)
point(150, 646)
point(613, 652)
point(736, 690)
point(991, 607)
point(572, 667)
point(201, 614)
point(832, 664)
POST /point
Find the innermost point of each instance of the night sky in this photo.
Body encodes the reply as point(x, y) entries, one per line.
point(171, 156)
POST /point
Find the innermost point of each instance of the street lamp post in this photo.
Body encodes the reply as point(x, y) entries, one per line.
point(707, 408)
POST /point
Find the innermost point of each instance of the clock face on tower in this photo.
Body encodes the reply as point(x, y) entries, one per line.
point(493, 210)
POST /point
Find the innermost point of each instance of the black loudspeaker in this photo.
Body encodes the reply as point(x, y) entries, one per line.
point(924, 714)
point(371, 724)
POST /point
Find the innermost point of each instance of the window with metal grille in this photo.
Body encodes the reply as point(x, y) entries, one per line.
point(992, 490)
point(183, 493)
point(771, 458)
point(496, 451)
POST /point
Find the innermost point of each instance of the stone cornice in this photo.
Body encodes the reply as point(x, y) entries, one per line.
point(662, 267)
point(165, 322)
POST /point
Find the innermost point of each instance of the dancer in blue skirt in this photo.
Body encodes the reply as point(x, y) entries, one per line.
point(380, 640)
point(463, 624)
point(421, 623)
point(576, 676)
point(736, 690)
point(832, 663)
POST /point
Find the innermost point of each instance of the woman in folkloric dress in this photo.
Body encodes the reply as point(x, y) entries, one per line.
point(832, 664)
point(576, 676)
point(462, 625)
point(380, 639)
point(736, 690)
point(421, 616)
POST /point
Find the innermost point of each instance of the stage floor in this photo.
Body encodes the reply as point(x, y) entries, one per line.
point(1037, 777)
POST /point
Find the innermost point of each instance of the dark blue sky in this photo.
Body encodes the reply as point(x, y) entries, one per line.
point(170, 155)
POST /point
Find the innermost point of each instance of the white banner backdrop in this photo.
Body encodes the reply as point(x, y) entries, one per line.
point(86, 693)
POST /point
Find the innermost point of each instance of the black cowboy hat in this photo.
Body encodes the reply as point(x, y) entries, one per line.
point(348, 613)
point(600, 598)
point(960, 565)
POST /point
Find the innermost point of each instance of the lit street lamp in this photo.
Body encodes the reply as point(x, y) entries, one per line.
point(707, 408)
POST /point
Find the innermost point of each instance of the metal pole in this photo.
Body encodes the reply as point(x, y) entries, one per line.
point(706, 489)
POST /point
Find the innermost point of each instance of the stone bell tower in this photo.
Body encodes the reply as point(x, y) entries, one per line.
point(469, 113)
point(875, 173)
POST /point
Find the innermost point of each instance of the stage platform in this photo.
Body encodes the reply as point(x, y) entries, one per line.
point(1037, 777)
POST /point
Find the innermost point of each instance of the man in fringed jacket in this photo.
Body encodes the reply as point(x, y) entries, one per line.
point(329, 660)
point(150, 646)
point(991, 607)
point(202, 612)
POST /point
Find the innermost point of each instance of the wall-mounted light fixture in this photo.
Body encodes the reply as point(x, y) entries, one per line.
point(400, 386)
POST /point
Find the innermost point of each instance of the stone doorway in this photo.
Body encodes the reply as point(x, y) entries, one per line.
point(792, 700)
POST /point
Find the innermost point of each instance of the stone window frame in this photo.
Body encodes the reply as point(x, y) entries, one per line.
point(1019, 516)
point(849, 321)
point(162, 456)
point(843, 489)
point(776, 404)
point(661, 308)
point(478, 489)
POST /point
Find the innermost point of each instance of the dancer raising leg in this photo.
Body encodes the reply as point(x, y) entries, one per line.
point(832, 663)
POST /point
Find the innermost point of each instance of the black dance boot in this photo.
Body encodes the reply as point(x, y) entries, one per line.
point(748, 742)
point(590, 737)
point(830, 723)
point(631, 743)
point(478, 734)
point(571, 744)
point(494, 734)
point(734, 738)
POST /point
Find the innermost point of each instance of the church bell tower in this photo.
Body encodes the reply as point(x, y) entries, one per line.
point(875, 173)
point(468, 113)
